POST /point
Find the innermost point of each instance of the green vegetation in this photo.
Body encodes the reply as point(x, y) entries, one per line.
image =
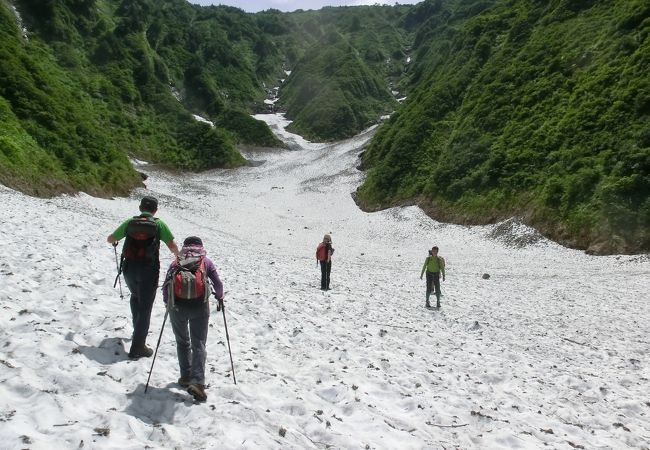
point(539, 109)
point(334, 94)
point(92, 83)
point(52, 138)
point(246, 129)
point(342, 73)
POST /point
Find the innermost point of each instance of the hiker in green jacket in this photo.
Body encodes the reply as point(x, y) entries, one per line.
point(434, 265)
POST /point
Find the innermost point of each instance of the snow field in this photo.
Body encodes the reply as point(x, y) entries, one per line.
point(550, 352)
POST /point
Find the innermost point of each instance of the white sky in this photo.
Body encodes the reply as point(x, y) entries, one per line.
point(292, 5)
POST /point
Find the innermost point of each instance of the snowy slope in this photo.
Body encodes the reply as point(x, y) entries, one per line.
point(550, 352)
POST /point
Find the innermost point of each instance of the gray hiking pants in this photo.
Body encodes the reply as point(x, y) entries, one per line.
point(433, 281)
point(190, 325)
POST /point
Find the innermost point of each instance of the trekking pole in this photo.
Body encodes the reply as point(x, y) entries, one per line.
point(223, 310)
point(117, 266)
point(156, 352)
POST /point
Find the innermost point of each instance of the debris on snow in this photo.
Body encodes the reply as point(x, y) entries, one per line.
point(102, 431)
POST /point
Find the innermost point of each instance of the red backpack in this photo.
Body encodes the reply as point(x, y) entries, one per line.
point(189, 280)
point(142, 240)
point(321, 252)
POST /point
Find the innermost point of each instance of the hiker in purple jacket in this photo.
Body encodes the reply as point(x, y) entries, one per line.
point(190, 316)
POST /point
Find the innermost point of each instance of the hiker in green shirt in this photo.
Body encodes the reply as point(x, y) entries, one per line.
point(141, 266)
point(434, 265)
point(165, 233)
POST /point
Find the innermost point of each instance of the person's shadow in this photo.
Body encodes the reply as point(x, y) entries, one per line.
point(157, 405)
point(109, 351)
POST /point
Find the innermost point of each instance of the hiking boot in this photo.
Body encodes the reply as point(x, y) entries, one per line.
point(140, 351)
point(197, 391)
point(428, 305)
point(184, 381)
point(438, 305)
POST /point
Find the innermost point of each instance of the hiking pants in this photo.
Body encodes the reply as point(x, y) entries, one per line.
point(142, 281)
point(190, 325)
point(325, 269)
point(433, 280)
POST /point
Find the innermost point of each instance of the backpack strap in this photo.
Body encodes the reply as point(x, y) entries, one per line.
point(207, 283)
point(167, 284)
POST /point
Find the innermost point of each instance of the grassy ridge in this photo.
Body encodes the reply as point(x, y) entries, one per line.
point(533, 108)
point(334, 94)
point(341, 78)
point(52, 136)
point(89, 88)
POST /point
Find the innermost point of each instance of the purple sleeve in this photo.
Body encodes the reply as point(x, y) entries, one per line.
point(214, 277)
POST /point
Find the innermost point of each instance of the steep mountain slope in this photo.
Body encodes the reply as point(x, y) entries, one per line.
point(89, 83)
point(537, 109)
point(51, 133)
point(333, 93)
point(340, 82)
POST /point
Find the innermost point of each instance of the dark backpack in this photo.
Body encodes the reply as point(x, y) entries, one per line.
point(142, 240)
point(189, 280)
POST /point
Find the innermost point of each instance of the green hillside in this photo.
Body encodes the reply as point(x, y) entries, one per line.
point(526, 108)
point(90, 84)
point(341, 74)
point(334, 94)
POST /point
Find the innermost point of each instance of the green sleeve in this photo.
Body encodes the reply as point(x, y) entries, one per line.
point(120, 231)
point(424, 267)
point(165, 233)
point(441, 261)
